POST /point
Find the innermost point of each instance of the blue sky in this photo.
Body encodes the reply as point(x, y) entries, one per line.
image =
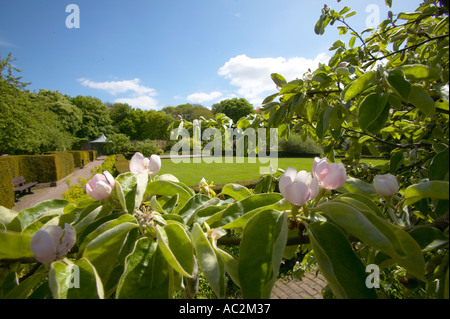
point(152, 54)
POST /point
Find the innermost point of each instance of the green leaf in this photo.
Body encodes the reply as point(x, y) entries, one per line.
point(358, 86)
point(363, 200)
point(26, 287)
point(291, 86)
point(355, 185)
point(396, 161)
point(270, 98)
point(168, 188)
point(278, 79)
point(324, 121)
point(240, 222)
point(141, 186)
point(100, 226)
point(46, 208)
point(147, 274)
point(373, 112)
point(231, 264)
point(170, 205)
point(260, 253)
point(343, 270)
point(176, 247)
point(420, 72)
point(431, 189)
point(14, 245)
point(7, 216)
point(428, 237)
point(409, 15)
point(422, 100)
point(248, 204)
point(397, 81)
point(439, 168)
point(351, 43)
point(75, 281)
point(319, 28)
point(195, 202)
point(125, 189)
point(97, 213)
point(103, 251)
point(365, 225)
point(209, 262)
point(238, 192)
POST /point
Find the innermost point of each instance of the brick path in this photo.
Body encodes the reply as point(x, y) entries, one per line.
point(309, 287)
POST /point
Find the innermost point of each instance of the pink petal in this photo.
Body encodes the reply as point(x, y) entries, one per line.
point(137, 163)
point(68, 241)
point(154, 164)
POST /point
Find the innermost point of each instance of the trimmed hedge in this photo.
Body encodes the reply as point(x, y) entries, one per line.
point(6, 187)
point(80, 158)
point(92, 155)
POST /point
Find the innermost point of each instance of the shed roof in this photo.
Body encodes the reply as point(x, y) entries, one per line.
point(101, 139)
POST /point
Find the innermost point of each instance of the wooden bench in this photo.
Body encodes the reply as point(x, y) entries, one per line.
point(21, 187)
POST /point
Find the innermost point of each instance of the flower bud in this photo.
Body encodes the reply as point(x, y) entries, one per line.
point(386, 185)
point(330, 175)
point(298, 188)
point(139, 163)
point(49, 244)
point(100, 186)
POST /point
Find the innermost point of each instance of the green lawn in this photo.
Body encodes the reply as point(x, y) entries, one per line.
point(191, 173)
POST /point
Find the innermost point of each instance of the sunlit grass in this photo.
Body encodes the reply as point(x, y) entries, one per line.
point(191, 173)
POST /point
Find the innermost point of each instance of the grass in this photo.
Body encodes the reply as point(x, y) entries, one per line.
point(191, 173)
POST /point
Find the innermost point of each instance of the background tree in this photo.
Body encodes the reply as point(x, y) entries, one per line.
point(234, 108)
point(189, 111)
point(95, 117)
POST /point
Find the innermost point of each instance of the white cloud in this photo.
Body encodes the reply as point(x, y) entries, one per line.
point(4, 43)
point(142, 96)
point(203, 97)
point(252, 75)
point(115, 87)
point(144, 102)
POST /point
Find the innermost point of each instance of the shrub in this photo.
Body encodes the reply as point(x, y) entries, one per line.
point(295, 144)
point(6, 187)
point(122, 165)
point(76, 192)
point(147, 147)
point(108, 165)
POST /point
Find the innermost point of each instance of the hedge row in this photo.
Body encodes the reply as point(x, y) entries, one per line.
point(46, 168)
point(6, 189)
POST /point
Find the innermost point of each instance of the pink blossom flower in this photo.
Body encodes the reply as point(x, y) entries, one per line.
point(52, 243)
point(100, 186)
point(330, 175)
point(386, 185)
point(139, 163)
point(298, 188)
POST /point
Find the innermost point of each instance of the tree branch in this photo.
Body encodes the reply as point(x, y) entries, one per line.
point(412, 47)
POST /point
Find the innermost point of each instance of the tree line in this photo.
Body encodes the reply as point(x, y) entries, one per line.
point(43, 121)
